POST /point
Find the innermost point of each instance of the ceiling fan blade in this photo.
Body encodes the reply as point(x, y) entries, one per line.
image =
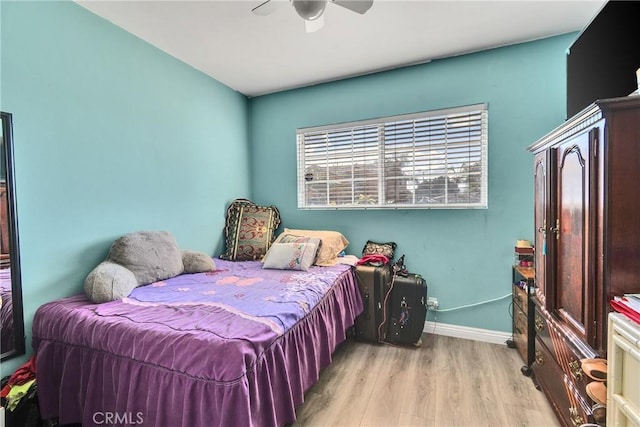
point(267, 7)
point(359, 6)
point(315, 25)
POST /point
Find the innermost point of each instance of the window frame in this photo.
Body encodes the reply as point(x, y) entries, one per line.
point(382, 124)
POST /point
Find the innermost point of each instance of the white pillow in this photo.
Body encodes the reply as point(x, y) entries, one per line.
point(290, 256)
point(333, 242)
point(291, 238)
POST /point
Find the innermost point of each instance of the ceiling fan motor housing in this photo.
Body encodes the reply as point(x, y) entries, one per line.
point(309, 9)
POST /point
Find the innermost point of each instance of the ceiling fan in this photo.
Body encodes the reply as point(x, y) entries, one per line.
point(312, 10)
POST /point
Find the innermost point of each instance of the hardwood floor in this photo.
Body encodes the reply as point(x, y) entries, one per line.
point(445, 382)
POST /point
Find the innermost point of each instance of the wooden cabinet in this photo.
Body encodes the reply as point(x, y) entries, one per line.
point(587, 203)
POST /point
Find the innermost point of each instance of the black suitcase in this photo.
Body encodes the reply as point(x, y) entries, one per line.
point(407, 309)
point(373, 283)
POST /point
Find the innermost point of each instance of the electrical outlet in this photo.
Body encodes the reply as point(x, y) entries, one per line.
point(432, 303)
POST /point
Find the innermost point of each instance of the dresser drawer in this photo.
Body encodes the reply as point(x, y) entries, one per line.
point(520, 301)
point(520, 334)
point(567, 350)
point(569, 400)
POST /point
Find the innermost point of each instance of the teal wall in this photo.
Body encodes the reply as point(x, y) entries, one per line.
point(111, 136)
point(465, 255)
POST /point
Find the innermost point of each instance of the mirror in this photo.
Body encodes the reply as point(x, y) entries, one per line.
point(12, 340)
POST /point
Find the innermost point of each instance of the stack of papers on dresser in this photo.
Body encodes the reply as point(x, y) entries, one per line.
point(629, 305)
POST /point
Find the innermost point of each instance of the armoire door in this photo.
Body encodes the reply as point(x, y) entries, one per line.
point(574, 279)
point(544, 242)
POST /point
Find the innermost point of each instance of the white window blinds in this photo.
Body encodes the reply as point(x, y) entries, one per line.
point(435, 159)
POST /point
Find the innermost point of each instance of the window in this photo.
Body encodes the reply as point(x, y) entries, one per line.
point(435, 159)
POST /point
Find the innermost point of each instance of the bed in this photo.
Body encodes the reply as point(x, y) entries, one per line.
point(236, 346)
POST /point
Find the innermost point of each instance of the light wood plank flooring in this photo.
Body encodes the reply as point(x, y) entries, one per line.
point(445, 382)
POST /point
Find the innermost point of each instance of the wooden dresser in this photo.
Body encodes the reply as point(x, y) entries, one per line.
point(587, 223)
point(523, 308)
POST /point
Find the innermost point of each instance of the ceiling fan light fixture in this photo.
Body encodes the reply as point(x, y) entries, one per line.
point(309, 9)
point(315, 25)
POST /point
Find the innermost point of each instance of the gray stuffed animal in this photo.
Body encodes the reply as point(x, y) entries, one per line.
point(138, 259)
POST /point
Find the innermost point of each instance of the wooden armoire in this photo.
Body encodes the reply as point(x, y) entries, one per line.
point(587, 239)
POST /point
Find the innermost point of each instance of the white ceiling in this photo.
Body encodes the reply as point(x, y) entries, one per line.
point(256, 55)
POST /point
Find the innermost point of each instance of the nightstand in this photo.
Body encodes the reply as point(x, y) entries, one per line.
point(523, 312)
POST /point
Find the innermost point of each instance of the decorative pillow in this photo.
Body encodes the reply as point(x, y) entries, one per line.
point(141, 258)
point(150, 255)
point(249, 230)
point(333, 242)
point(374, 248)
point(109, 282)
point(290, 256)
point(291, 238)
point(197, 262)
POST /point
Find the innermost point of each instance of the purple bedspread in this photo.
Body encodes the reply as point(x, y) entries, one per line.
point(7, 340)
point(237, 346)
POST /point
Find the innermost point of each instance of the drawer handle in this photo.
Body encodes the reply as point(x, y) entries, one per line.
point(539, 357)
point(576, 370)
point(539, 323)
point(576, 419)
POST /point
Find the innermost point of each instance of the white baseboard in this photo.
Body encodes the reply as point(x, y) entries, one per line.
point(466, 332)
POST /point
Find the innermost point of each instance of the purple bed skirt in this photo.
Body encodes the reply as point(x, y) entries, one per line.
point(84, 384)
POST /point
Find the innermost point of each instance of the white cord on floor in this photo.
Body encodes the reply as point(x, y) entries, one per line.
point(472, 305)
